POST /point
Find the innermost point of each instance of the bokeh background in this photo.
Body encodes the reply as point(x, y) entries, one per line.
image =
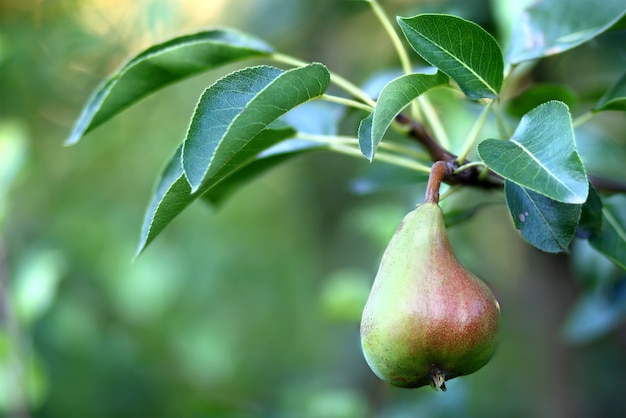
point(252, 308)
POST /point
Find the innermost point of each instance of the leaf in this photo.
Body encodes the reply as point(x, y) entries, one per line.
point(615, 98)
point(538, 94)
point(550, 27)
point(316, 117)
point(173, 193)
point(545, 223)
point(592, 270)
point(237, 107)
point(541, 156)
point(161, 65)
point(458, 216)
point(460, 48)
point(377, 178)
point(394, 97)
point(595, 314)
point(612, 240)
point(267, 160)
point(590, 223)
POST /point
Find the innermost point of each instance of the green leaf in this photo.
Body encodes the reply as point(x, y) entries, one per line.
point(545, 223)
point(615, 98)
point(461, 215)
point(376, 178)
point(595, 314)
point(550, 27)
point(592, 270)
point(538, 94)
point(612, 240)
point(591, 216)
point(394, 97)
point(315, 117)
point(161, 65)
point(267, 160)
point(460, 48)
point(541, 156)
point(173, 193)
point(237, 107)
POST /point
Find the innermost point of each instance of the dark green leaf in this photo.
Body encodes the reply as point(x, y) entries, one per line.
point(161, 65)
point(612, 241)
point(459, 48)
point(366, 143)
point(550, 27)
point(591, 216)
point(173, 193)
point(315, 117)
point(266, 161)
point(615, 98)
point(236, 108)
point(538, 94)
point(593, 271)
point(394, 97)
point(545, 223)
point(541, 156)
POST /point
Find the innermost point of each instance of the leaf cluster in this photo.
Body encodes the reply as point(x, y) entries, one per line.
point(243, 123)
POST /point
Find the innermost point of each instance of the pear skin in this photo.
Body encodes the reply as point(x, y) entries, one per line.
point(427, 318)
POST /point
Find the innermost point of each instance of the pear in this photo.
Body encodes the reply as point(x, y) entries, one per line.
point(427, 318)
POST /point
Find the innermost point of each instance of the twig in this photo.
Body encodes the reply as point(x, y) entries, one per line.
point(471, 176)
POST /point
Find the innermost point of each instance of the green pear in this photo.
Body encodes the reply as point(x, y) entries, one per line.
point(427, 318)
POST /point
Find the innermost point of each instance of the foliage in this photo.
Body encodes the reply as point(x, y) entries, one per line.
point(545, 180)
point(545, 177)
point(546, 151)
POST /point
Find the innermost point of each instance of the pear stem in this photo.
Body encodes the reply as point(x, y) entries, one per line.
point(438, 171)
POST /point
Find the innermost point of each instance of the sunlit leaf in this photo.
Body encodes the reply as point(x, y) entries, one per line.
point(612, 240)
point(545, 223)
point(394, 97)
point(549, 27)
point(615, 98)
point(161, 65)
point(541, 156)
point(460, 48)
point(173, 193)
point(237, 107)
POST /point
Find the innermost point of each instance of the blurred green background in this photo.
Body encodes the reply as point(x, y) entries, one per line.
point(252, 309)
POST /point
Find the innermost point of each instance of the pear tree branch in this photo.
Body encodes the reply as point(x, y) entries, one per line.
point(475, 174)
point(472, 176)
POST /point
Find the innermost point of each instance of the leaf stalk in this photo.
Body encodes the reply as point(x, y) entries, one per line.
point(470, 141)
